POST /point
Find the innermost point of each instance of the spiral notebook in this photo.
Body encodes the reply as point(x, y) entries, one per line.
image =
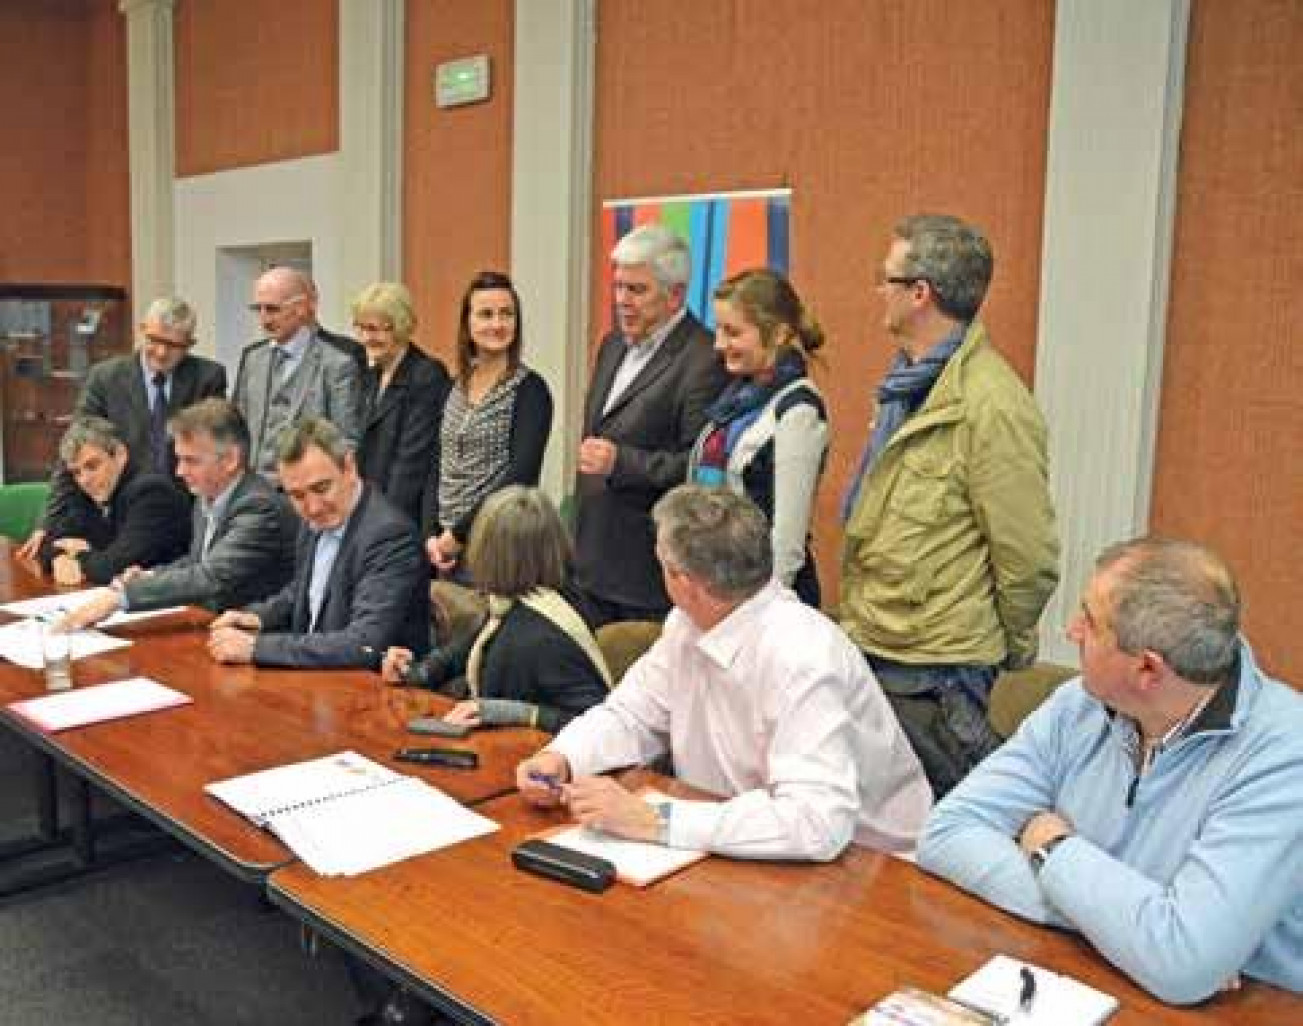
point(344, 814)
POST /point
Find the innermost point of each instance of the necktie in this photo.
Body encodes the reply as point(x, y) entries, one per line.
point(158, 423)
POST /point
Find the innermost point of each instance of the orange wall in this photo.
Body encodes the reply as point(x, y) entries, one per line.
point(868, 110)
point(1230, 441)
point(456, 162)
point(63, 167)
point(256, 82)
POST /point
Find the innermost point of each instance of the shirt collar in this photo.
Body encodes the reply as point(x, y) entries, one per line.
point(724, 642)
point(214, 509)
point(298, 343)
point(148, 375)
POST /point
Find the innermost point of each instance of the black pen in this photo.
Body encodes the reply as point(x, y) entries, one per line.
point(1028, 993)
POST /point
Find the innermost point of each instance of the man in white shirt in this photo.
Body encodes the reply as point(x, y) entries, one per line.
point(758, 698)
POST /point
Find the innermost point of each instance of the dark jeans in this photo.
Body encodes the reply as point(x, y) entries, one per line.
point(601, 611)
point(943, 712)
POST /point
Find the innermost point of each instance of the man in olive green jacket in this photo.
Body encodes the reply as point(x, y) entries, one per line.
point(951, 551)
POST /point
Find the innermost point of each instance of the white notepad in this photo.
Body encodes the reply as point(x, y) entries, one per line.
point(112, 701)
point(20, 643)
point(1059, 1000)
point(51, 607)
point(636, 862)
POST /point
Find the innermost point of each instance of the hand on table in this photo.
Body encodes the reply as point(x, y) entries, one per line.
point(465, 714)
point(67, 569)
point(238, 619)
point(231, 645)
point(603, 804)
point(533, 776)
point(31, 548)
point(397, 662)
point(102, 604)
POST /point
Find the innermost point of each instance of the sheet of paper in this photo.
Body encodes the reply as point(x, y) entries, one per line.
point(259, 795)
point(20, 643)
point(100, 702)
point(363, 831)
point(636, 862)
point(1058, 1000)
point(51, 607)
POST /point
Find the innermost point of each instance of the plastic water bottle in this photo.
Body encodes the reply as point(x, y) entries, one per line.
point(56, 654)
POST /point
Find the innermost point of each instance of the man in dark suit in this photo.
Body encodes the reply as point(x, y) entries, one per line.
point(124, 390)
point(294, 372)
point(361, 581)
point(653, 379)
point(119, 516)
point(243, 531)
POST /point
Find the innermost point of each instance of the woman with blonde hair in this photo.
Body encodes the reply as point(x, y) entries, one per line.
point(403, 392)
point(767, 434)
point(534, 662)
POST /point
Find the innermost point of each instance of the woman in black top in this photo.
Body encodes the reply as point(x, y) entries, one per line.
point(534, 662)
point(496, 420)
point(403, 393)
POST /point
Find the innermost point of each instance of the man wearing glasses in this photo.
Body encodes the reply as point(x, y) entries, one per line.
point(950, 546)
point(295, 371)
point(137, 393)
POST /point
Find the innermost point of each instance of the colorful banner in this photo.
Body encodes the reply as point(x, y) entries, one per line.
point(726, 231)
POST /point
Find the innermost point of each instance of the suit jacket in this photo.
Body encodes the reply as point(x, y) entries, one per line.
point(378, 595)
point(653, 424)
point(401, 429)
point(115, 390)
point(146, 521)
point(326, 384)
point(346, 344)
point(251, 555)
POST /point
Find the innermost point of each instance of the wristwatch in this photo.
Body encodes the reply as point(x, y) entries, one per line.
point(1042, 853)
point(662, 810)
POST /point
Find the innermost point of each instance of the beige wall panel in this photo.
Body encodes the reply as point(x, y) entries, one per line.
point(1229, 466)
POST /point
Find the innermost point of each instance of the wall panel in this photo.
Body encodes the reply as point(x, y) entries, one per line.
point(869, 110)
point(456, 163)
point(1229, 466)
point(255, 82)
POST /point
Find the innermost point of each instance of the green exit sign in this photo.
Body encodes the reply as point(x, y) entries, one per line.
point(462, 81)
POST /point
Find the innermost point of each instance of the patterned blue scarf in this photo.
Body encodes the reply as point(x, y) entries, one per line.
point(737, 408)
point(904, 389)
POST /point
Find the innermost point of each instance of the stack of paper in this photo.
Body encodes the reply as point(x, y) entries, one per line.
point(50, 607)
point(110, 701)
point(344, 814)
point(636, 862)
point(20, 643)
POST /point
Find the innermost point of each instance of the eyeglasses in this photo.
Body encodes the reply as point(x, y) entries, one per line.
point(168, 343)
point(273, 308)
point(884, 279)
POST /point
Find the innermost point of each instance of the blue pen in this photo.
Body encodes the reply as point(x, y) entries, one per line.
point(550, 780)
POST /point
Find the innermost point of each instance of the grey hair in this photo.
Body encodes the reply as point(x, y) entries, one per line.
point(953, 257)
point(1178, 599)
point(173, 313)
point(662, 249)
point(717, 536)
point(312, 432)
point(88, 430)
point(218, 418)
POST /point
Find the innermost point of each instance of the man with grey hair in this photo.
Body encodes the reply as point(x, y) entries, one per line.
point(1155, 804)
point(295, 371)
point(137, 393)
point(120, 516)
point(950, 549)
point(361, 581)
point(796, 738)
point(653, 379)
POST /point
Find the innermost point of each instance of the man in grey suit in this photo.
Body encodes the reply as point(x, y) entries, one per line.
point(653, 379)
point(294, 372)
point(137, 393)
point(242, 545)
point(361, 581)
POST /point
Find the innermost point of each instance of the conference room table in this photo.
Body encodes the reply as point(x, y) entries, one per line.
point(722, 941)
point(242, 719)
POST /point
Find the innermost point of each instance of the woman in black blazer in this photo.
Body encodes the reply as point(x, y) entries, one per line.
point(403, 393)
point(534, 662)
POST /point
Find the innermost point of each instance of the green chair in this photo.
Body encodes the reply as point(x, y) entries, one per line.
point(21, 506)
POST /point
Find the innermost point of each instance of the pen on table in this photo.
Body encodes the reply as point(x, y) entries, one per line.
point(1028, 992)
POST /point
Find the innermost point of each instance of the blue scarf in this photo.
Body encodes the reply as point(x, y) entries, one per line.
point(737, 408)
point(904, 389)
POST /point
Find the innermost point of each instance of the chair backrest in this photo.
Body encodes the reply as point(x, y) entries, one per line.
point(21, 506)
point(1016, 695)
point(624, 642)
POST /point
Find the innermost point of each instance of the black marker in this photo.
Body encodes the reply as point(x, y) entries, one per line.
point(1028, 993)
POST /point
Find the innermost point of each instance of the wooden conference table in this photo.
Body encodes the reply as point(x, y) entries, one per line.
point(242, 719)
point(723, 941)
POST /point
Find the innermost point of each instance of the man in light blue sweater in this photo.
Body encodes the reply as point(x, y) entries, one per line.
point(1156, 803)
